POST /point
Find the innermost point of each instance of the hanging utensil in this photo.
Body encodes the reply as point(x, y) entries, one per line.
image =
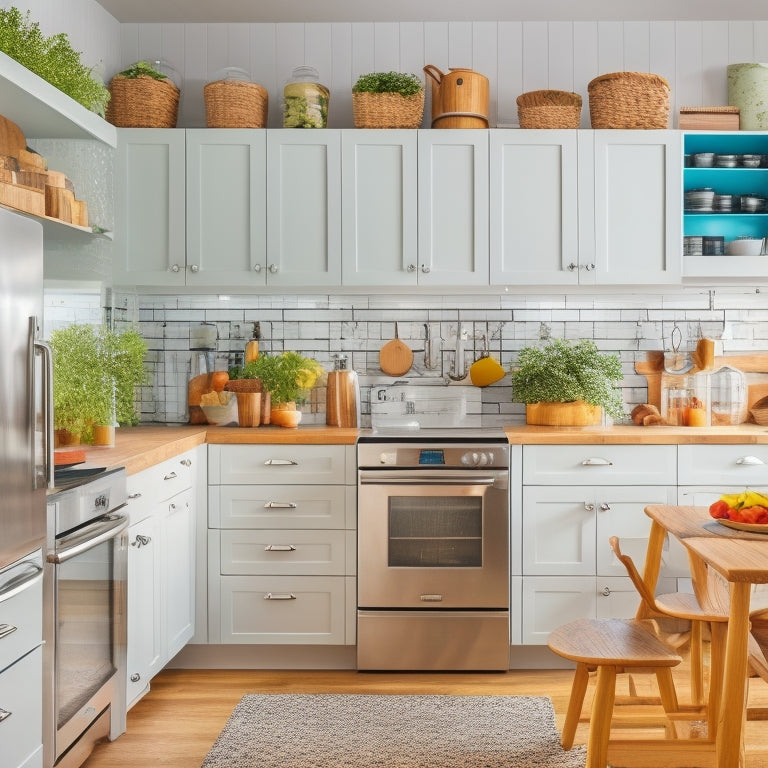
point(677, 361)
point(485, 370)
point(395, 357)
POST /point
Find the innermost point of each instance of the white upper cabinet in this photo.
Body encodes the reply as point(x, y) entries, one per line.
point(304, 207)
point(379, 216)
point(150, 190)
point(637, 193)
point(585, 207)
point(534, 207)
point(453, 207)
point(226, 198)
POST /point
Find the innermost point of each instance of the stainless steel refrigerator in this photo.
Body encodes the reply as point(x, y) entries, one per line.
point(25, 380)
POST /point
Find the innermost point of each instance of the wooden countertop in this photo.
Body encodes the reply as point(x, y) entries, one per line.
point(632, 435)
point(137, 448)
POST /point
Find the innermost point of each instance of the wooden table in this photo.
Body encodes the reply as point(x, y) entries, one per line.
point(742, 559)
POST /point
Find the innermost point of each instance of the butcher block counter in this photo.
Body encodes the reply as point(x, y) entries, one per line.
point(137, 448)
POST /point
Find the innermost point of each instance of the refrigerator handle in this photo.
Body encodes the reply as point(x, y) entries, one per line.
point(47, 375)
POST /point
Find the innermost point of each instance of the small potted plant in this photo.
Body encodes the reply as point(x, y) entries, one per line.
point(387, 100)
point(143, 97)
point(95, 373)
point(567, 383)
point(285, 377)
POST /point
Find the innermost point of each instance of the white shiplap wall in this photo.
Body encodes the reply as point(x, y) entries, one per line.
point(515, 56)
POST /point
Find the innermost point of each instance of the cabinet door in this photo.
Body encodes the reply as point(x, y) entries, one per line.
point(145, 655)
point(558, 531)
point(534, 197)
point(453, 207)
point(637, 193)
point(149, 207)
point(178, 572)
point(304, 207)
point(379, 207)
point(226, 207)
point(549, 601)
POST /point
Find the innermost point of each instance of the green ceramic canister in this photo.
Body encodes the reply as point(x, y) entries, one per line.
point(748, 90)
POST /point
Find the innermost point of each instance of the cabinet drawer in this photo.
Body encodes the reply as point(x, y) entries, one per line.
point(283, 609)
point(158, 483)
point(22, 609)
point(738, 465)
point(277, 506)
point(599, 465)
point(283, 552)
point(21, 733)
point(276, 464)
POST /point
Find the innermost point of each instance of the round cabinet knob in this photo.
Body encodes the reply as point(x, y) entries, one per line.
point(174, 268)
point(273, 268)
point(135, 677)
point(411, 267)
point(257, 267)
point(425, 268)
point(194, 268)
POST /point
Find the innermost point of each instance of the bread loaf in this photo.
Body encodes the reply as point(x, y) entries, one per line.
point(640, 412)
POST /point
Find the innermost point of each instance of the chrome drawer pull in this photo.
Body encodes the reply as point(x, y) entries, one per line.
point(279, 505)
point(170, 476)
point(6, 629)
point(4, 713)
point(597, 462)
point(279, 548)
point(280, 462)
point(134, 495)
point(270, 596)
point(750, 461)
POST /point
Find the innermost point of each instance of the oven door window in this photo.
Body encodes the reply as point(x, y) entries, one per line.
point(84, 643)
point(435, 532)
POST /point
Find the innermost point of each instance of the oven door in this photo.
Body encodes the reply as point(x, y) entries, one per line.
point(433, 539)
point(87, 605)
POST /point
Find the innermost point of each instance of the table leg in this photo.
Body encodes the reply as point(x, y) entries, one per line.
point(730, 729)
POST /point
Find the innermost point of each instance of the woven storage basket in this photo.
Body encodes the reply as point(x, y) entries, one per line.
point(549, 109)
point(243, 385)
point(235, 104)
point(142, 102)
point(629, 100)
point(387, 110)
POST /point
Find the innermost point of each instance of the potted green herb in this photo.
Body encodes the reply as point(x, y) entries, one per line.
point(567, 383)
point(287, 377)
point(95, 373)
point(51, 58)
point(143, 97)
point(387, 100)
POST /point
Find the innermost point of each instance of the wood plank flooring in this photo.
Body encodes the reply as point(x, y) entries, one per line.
point(176, 723)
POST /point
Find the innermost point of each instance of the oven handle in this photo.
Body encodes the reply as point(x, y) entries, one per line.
point(427, 478)
point(98, 533)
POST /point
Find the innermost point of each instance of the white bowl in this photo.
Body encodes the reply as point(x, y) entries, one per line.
point(744, 247)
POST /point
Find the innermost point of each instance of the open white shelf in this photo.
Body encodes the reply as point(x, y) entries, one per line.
point(43, 111)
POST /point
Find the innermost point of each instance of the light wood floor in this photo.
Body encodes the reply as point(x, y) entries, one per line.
point(176, 723)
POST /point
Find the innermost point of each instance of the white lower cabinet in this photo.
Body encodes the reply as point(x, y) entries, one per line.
point(574, 498)
point(161, 569)
point(281, 556)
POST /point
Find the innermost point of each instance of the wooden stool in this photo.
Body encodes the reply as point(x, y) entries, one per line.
point(611, 646)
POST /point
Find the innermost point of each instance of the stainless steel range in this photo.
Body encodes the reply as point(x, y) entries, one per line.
point(84, 627)
point(433, 543)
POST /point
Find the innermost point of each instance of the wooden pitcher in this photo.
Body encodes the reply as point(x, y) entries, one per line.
point(459, 98)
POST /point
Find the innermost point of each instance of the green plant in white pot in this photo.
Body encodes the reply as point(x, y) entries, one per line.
point(567, 383)
point(95, 374)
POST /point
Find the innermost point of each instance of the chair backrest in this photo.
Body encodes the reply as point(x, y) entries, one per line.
point(629, 564)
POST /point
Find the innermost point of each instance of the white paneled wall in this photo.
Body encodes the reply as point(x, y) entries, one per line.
point(515, 56)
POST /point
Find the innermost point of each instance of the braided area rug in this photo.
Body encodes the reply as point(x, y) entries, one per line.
point(386, 731)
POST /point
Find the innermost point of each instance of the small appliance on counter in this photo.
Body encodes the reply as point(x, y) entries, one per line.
point(342, 401)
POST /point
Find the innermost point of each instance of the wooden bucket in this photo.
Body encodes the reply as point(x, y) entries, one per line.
point(459, 98)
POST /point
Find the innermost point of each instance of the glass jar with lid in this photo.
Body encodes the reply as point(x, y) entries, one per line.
point(728, 395)
point(305, 100)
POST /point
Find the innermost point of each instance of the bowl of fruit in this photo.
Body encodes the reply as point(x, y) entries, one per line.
point(745, 511)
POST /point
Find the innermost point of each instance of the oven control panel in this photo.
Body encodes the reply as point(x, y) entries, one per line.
point(415, 456)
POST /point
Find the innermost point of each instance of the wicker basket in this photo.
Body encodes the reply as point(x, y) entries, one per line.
point(235, 104)
point(387, 110)
point(243, 385)
point(549, 109)
point(629, 100)
point(142, 102)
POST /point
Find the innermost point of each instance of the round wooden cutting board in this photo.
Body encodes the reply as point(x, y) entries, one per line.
point(395, 357)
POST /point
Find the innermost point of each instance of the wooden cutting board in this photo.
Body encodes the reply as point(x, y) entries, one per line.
point(12, 141)
point(395, 357)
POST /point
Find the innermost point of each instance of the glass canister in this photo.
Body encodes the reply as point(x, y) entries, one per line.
point(684, 401)
point(728, 396)
point(305, 100)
